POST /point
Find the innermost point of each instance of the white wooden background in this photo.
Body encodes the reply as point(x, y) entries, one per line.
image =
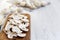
point(45, 22)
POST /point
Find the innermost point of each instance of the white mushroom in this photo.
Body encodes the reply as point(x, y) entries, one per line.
point(22, 3)
point(20, 15)
point(17, 21)
point(12, 21)
point(33, 6)
point(22, 27)
point(20, 0)
point(26, 24)
point(25, 20)
point(25, 17)
point(21, 35)
point(17, 17)
point(8, 26)
point(25, 29)
point(14, 35)
point(37, 3)
point(28, 3)
point(44, 3)
point(16, 29)
point(10, 36)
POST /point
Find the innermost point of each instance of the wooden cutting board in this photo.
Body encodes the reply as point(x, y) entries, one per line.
point(3, 36)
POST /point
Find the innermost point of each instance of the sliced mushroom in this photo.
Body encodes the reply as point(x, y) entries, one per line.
point(12, 21)
point(44, 3)
point(26, 24)
point(25, 20)
point(37, 3)
point(8, 26)
point(33, 6)
point(22, 27)
point(10, 36)
point(21, 35)
point(22, 4)
point(16, 29)
point(28, 3)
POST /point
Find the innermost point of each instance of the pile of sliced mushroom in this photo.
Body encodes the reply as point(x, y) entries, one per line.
point(16, 25)
point(31, 4)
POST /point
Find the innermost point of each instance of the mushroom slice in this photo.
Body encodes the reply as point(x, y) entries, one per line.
point(10, 36)
point(21, 35)
point(26, 24)
point(16, 29)
point(22, 4)
point(37, 3)
point(12, 21)
point(17, 21)
point(44, 3)
point(22, 27)
point(25, 20)
point(8, 26)
point(33, 6)
point(28, 3)
point(25, 17)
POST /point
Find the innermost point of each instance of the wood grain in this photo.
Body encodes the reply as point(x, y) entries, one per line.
point(3, 36)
